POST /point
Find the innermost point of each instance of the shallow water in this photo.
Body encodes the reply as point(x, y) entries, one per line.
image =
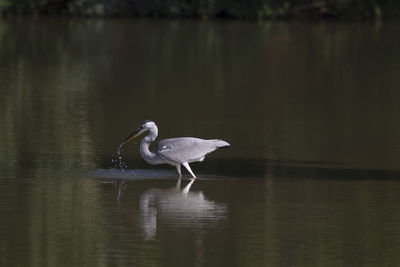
point(310, 110)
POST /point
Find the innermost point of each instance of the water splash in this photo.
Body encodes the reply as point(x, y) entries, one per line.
point(117, 161)
point(119, 149)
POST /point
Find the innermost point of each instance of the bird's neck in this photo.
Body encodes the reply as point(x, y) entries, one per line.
point(147, 155)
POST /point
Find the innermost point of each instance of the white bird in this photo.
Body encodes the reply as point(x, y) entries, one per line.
point(173, 151)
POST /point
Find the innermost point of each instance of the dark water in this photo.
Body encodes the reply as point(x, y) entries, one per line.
point(310, 109)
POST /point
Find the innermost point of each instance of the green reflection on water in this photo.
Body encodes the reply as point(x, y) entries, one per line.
point(302, 92)
point(310, 110)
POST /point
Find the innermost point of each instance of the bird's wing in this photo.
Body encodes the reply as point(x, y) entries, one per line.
point(184, 149)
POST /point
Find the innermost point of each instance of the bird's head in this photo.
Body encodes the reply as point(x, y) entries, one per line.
point(143, 127)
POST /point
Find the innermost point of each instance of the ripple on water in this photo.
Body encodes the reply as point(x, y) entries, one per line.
point(140, 174)
point(133, 174)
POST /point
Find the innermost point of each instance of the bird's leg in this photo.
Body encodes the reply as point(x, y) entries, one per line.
point(178, 169)
point(186, 165)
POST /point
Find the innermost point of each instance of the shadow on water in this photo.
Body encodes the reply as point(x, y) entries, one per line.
point(250, 169)
point(325, 171)
point(313, 172)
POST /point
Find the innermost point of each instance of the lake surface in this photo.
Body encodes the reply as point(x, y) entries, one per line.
point(312, 177)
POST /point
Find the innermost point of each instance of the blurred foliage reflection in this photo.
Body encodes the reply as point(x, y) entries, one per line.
point(310, 110)
point(262, 9)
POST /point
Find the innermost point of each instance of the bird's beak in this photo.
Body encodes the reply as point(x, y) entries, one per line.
point(132, 136)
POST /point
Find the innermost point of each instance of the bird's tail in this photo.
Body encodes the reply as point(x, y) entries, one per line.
point(220, 143)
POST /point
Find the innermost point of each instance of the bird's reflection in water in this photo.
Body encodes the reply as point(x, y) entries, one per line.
point(178, 207)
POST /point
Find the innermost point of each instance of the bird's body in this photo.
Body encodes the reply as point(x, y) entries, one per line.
point(174, 151)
